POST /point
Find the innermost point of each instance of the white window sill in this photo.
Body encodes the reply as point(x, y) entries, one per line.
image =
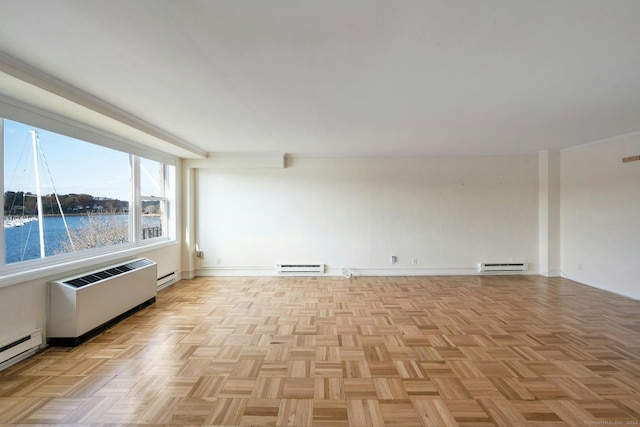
point(49, 271)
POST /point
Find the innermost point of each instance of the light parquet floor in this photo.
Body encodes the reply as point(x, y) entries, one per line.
point(409, 351)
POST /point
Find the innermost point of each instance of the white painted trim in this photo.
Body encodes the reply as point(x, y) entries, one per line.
point(563, 275)
point(269, 271)
point(397, 155)
point(188, 275)
point(236, 271)
point(601, 141)
point(57, 266)
point(417, 271)
point(51, 84)
point(19, 111)
point(238, 161)
point(552, 273)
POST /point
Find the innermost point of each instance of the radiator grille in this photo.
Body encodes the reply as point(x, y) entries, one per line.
point(89, 279)
point(300, 268)
point(15, 343)
point(19, 348)
point(504, 267)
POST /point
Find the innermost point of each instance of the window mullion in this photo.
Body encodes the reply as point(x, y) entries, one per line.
point(136, 205)
point(169, 204)
point(2, 186)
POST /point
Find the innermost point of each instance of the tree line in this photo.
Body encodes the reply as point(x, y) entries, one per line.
point(21, 203)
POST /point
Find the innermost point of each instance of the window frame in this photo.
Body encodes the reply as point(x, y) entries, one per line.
point(168, 214)
point(18, 272)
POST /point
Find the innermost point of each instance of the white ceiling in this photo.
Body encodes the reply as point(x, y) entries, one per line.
point(351, 77)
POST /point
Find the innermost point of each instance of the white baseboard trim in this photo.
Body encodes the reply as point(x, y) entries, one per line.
point(238, 271)
point(408, 271)
point(582, 281)
point(187, 275)
point(270, 271)
point(552, 273)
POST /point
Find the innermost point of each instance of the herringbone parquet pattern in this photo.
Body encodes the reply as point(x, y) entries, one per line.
point(427, 351)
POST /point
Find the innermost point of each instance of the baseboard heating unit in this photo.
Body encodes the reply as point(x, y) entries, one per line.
point(503, 267)
point(166, 279)
point(84, 305)
point(18, 348)
point(300, 268)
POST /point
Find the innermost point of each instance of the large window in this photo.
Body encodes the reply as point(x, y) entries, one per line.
point(64, 197)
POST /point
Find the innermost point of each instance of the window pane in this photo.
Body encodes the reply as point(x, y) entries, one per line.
point(154, 219)
point(151, 178)
point(84, 188)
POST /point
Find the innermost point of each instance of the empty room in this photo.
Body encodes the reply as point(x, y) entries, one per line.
point(330, 213)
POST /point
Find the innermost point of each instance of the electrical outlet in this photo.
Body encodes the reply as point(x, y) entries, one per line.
point(218, 261)
point(414, 261)
point(393, 259)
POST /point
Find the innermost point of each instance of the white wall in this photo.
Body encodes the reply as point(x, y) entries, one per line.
point(449, 213)
point(600, 215)
point(22, 310)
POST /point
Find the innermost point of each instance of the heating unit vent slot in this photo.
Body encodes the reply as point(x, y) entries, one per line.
point(300, 268)
point(509, 266)
point(167, 278)
point(89, 279)
point(15, 343)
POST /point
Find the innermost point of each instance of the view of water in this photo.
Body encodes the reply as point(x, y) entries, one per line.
point(23, 243)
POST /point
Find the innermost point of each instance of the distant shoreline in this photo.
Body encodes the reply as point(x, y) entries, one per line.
point(79, 214)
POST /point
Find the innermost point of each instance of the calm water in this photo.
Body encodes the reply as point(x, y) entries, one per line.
point(23, 243)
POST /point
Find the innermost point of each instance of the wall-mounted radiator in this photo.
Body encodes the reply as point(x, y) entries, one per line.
point(300, 268)
point(504, 267)
point(82, 306)
point(18, 348)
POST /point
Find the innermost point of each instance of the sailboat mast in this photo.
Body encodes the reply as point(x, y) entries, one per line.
point(34, 144)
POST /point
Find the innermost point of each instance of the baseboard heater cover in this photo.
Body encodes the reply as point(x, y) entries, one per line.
point(300, 268)
point(166, 279)
point(82, 306)
point(11, 352)
point(503, 267)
